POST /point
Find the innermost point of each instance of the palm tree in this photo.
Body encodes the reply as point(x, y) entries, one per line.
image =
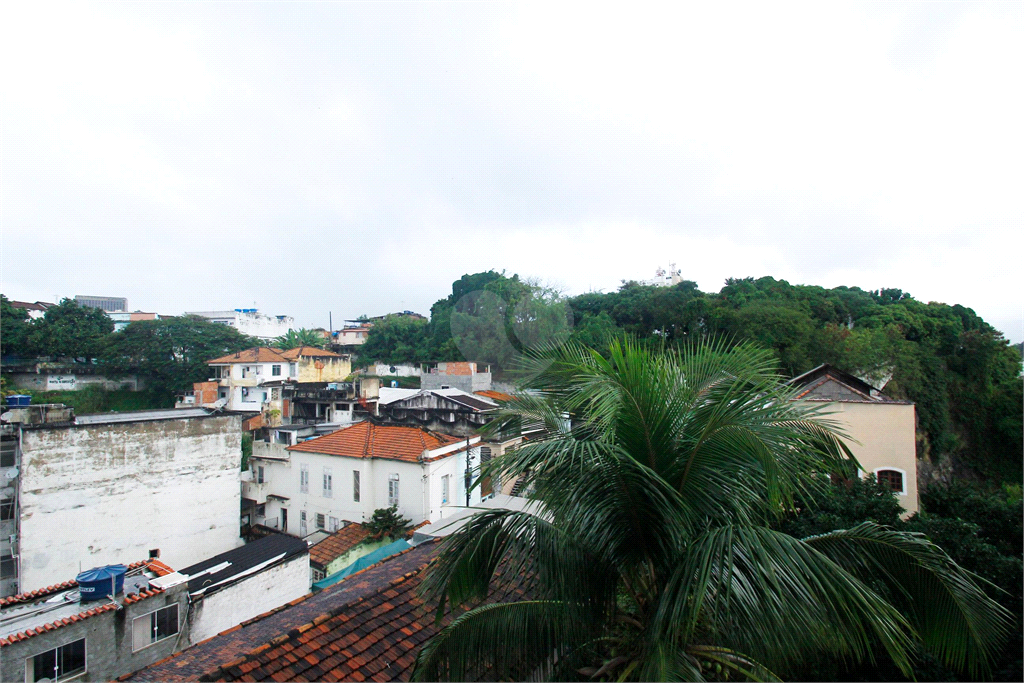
point(650, 554)
point(304, 337)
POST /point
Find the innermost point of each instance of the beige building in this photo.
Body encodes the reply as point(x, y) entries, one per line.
point(318, 365)
point(882, 431)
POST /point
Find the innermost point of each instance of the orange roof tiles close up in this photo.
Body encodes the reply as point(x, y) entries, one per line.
point(260, 354)
point(494, 395)
point(309, 352)
point(367, 440)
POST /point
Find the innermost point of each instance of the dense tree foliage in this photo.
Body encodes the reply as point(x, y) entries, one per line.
point(982, 529)
point(659, 561)
point(960, 372)
point(66, 330)
point(171, 353)
point(14, 329)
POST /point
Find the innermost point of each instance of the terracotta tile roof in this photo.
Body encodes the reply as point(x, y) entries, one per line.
point(192, 663)
point(367, 440)
point(494, 395)
point(32, 596)
point(374, 636)
point(337, 544)
point(309, 352)
point(260, 354)
point(84, 614)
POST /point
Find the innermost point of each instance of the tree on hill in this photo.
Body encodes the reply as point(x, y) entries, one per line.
point(658, 561)
point(304, 337)
point(170, 354)
point(15, 327)
point(68, 330)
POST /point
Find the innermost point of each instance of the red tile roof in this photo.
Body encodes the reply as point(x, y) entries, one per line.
point(374, 636)
point(260, 354)
point(32, 596)
point(494, 395)
point(309, 352)
point(367, 440)
point(337, 544)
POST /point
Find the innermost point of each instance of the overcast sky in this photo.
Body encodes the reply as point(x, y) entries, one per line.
point(357, 157)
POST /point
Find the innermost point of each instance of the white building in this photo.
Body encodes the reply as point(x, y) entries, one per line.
point(92, 490)
point(251, 322)
point(241, 377)
point(344, 476)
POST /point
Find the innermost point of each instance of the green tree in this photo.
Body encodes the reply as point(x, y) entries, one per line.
point(170, 354)
point(303, 337)
point(387, 522)
point(651, 556)
point(396, 339)
point(68, 330)
point(15, 327)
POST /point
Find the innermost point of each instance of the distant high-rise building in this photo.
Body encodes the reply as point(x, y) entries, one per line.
point(106, 303)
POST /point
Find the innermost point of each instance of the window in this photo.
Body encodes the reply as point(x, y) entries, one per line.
point(154, 627)
point(292, 369)
point(320, 522)
point(891, 478)
point(328, 483)
point(303, 478)
point(275, 370)
point(445, 488)
point(7, 456)
point(317, 575)
point(6, 566)
point(261, 510)
point(355, 485)
point(392, 490)
point(59, 663)
point(302, 523)
point(6, 509)
point(275, 394)
point(259, 474)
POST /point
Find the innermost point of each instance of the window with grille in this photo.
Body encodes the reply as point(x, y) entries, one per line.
point(59, 663)
point(154, 627)
point(355, 485)
point(303, 478)
point(392, 490)
point(891, 478)
point(275, 370)
point(320, 521)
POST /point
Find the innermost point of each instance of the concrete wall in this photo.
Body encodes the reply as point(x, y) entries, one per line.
point(102, 494)
point(72, 382)
point(886, 432)
point(108, 641)
point(252, 596)
point(324, 369)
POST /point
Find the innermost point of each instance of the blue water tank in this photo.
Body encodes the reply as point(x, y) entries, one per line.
point(17, 400)
point(94, 584)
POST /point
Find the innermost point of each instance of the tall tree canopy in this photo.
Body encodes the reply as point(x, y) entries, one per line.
point(650, 551)
point(171, 353)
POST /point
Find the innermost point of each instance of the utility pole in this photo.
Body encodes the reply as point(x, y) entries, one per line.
point(469, 472)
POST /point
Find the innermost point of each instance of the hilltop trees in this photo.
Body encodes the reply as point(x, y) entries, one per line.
point(303, 337)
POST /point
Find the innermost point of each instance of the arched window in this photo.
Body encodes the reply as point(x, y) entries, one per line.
point(891, 478)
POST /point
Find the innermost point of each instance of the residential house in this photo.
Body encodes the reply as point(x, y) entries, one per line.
point(331, 403)
point(881, 431)
point(324, 482)
point(53, 634)
point(251, 322)
point(237, 585)
point(468, 376)
point(370, 626)
point(319, 365)
point(122, 318)
point(341, 549)
point(35, 310)
point(127, 484)
point(354, 335)
point(246, 380)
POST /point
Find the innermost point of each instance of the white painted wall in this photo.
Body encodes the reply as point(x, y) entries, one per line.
point(103, 494)
point(419, 487)
point(252, 596)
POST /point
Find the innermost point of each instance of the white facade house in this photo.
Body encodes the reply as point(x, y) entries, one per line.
point(95, 489)
point(241, 377)
point(251, 322)
point(342, 477)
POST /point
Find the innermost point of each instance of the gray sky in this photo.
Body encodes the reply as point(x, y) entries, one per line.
point(358, 157)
